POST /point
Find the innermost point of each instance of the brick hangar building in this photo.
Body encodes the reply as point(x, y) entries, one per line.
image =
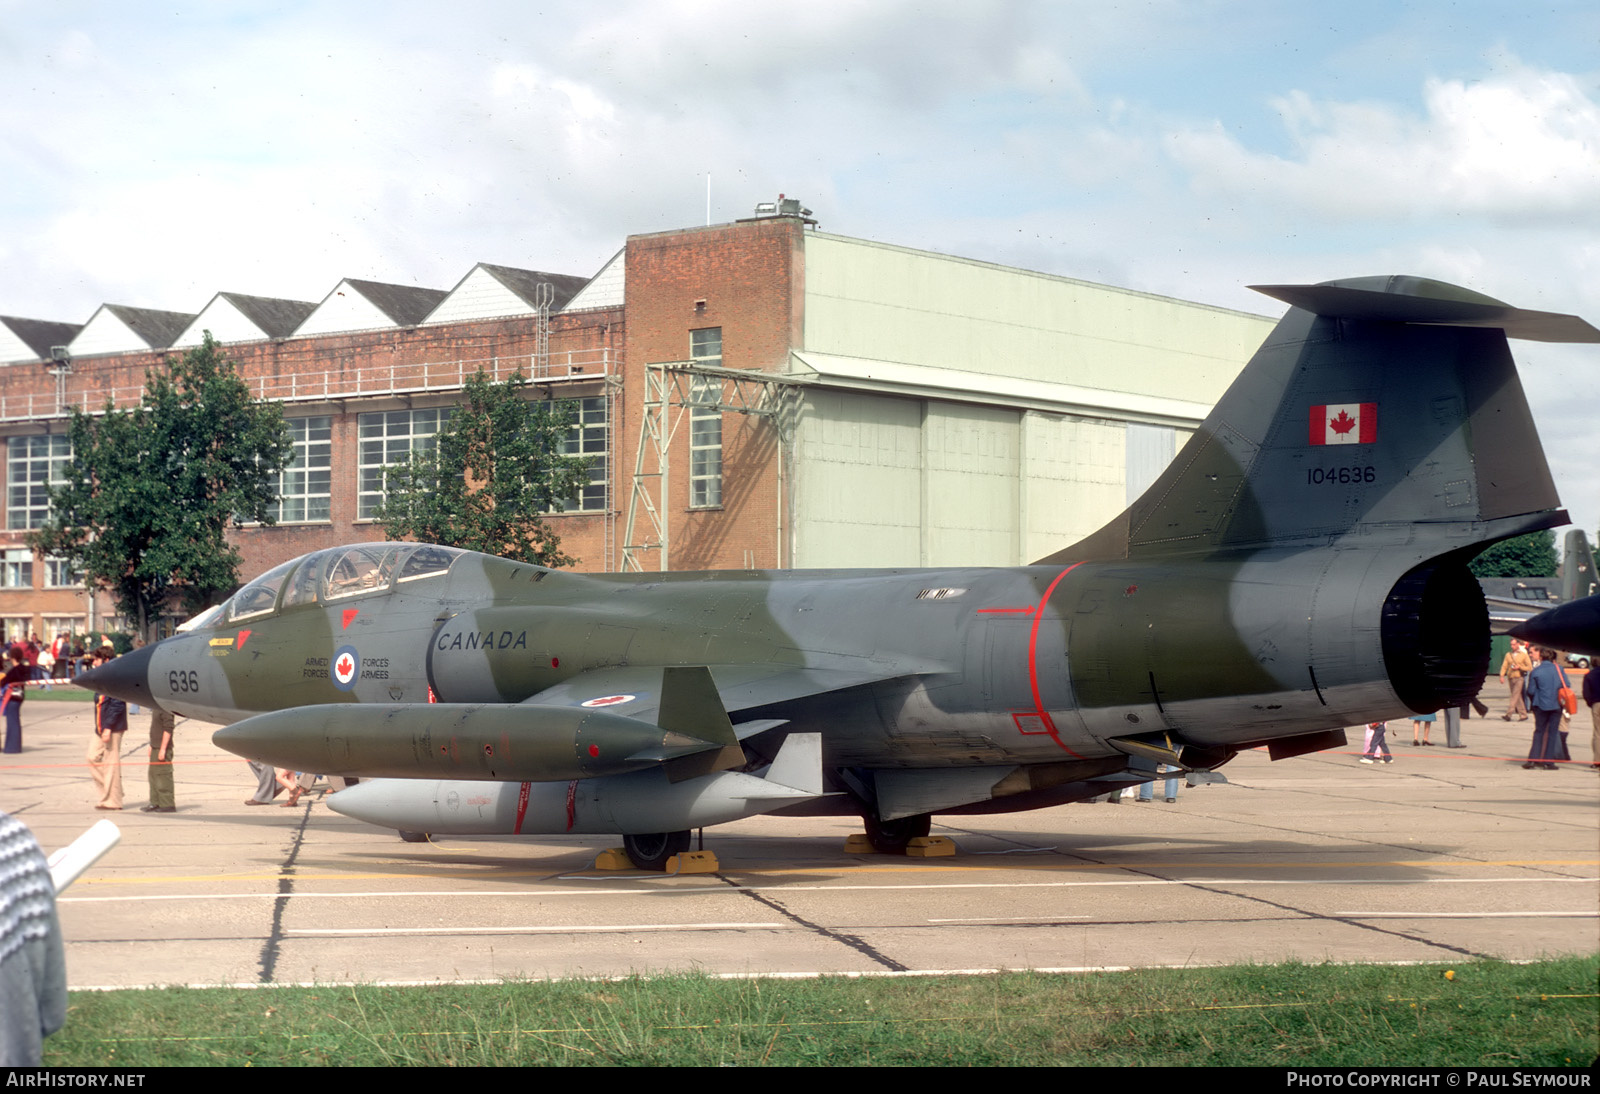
point(759, 394)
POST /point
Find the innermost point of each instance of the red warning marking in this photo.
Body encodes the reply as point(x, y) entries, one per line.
point(349, 614)
point(1029, 723)
point(522, 808)
point(239, 645)
point(572, 801)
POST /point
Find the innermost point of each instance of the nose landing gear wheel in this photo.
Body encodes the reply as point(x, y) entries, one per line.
point(651, 850)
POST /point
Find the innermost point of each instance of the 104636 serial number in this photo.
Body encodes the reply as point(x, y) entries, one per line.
point(1322, 476)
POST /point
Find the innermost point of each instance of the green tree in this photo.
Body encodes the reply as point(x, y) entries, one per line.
point(150, 491)
point(1532, 555)
point(497, 467)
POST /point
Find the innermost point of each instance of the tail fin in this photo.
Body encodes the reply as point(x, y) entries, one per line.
point(1577, 568)
point(1376, 402)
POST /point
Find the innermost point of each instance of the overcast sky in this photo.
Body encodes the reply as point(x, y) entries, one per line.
point(154, 155)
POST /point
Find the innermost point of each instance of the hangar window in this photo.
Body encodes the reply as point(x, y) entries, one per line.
point(705, 442)
point(33, 465)
point(387, 439)
point(587, 438)
point(705, 422)
point(59, 573)
point(305, 487)
point(63, 625)
point(16, 569)
point(705, 346)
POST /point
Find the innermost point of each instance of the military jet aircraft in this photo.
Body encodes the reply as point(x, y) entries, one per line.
point(1514, 601)
point(1300, 567)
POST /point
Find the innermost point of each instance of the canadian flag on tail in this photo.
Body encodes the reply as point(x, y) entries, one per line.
point(1344, 423)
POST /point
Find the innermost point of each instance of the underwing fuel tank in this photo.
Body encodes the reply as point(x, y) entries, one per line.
point(456, 741)
point(633, 804)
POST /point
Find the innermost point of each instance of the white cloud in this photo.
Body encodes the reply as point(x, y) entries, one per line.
point(1520, 145)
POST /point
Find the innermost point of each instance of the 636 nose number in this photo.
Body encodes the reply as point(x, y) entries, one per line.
point(183, 681)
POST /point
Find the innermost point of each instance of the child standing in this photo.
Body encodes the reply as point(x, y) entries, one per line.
point(1376, 742)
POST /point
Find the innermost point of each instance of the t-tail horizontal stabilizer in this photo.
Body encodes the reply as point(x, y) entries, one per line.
point(1386, 408)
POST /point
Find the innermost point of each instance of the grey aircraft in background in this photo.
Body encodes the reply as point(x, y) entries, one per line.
point(1301, 566)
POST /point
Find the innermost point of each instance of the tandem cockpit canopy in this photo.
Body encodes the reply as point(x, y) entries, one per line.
point(338, 573)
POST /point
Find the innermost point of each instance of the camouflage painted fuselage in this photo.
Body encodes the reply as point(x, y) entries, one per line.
point(897, 669)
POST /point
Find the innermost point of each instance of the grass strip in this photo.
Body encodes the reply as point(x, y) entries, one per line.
point(1480, 1014)
point(61, 693)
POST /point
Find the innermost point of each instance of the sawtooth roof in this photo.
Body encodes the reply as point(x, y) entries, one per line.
point(40, 334)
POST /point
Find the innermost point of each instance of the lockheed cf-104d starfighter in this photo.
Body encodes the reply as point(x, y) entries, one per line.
point(1301, 566)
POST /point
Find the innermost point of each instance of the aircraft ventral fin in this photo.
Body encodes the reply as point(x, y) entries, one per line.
point(797, 769)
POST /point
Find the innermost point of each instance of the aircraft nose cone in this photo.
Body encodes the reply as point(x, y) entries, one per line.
point(389, 803)
point(126, 677)
point(1573, 626)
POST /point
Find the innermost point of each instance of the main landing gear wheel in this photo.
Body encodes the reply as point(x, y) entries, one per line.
point(651, 850)
point(894, 836)
point(413, 837)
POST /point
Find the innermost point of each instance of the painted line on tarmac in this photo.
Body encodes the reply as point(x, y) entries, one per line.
point(674, 890)
point(1470, 915)
point(1013, 919)
point(623, 928)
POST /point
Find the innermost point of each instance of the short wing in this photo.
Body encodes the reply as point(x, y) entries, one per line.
point(635, 690)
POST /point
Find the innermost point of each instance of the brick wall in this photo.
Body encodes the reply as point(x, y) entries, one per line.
point(748, 276)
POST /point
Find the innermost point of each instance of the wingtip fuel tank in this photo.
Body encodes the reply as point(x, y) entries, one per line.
point(642, 802)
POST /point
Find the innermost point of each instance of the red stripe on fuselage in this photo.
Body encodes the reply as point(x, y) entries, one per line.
point(1033, 661)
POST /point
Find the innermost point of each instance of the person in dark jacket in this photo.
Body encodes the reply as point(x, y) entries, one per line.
point(1591, 699)
point(1540, 688)
point(13, 685)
